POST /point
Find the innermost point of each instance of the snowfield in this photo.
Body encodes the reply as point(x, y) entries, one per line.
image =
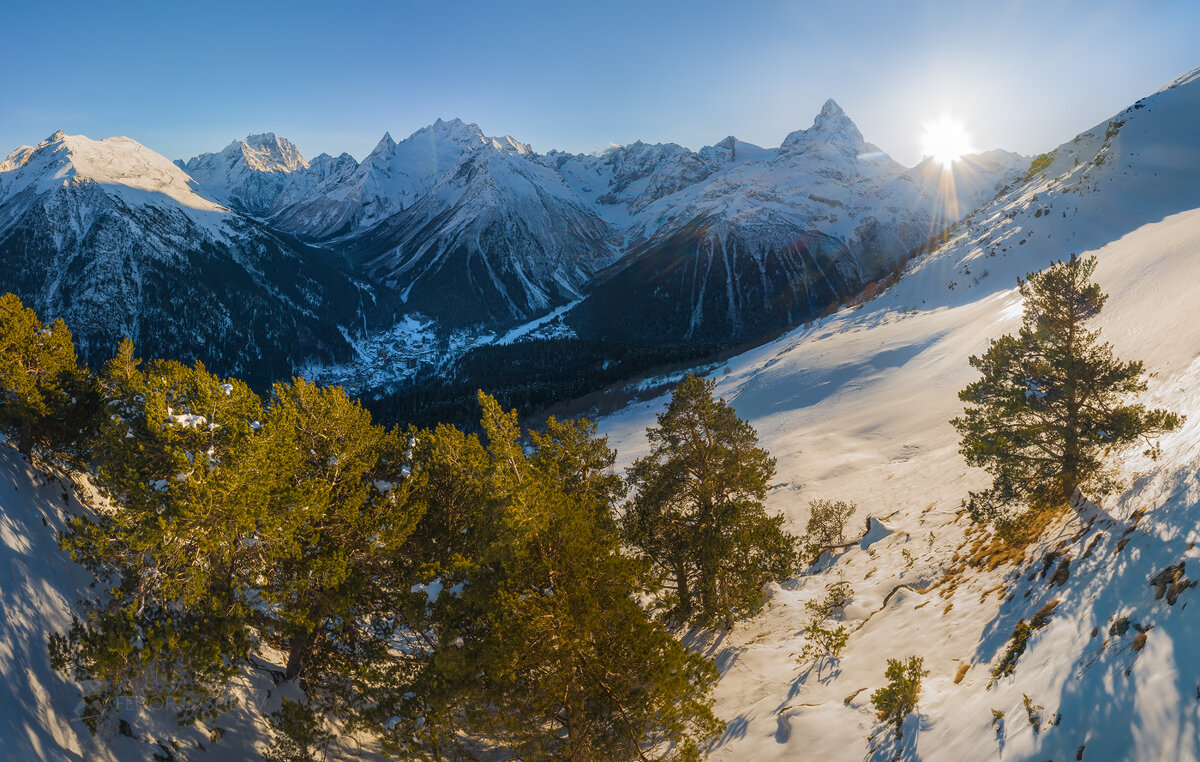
point(856, 407)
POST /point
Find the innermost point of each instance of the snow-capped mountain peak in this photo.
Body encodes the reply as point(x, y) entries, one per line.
point(392, 178)
point(122, 165)
point(832, 132)
point(247, 174)
point(385, 145)
point(268, 153)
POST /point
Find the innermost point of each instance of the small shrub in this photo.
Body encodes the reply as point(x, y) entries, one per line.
point(826, 526)
point(896, 700)
point(962, 672)
point(1020, 638)
point(822, 640)
point(1139, 641)
point(1034, 713)
point(1038, 165)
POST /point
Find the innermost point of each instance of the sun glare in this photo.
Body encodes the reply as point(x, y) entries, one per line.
point(945, 140)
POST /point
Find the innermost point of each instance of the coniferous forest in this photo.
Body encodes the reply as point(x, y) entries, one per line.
point(444, 592)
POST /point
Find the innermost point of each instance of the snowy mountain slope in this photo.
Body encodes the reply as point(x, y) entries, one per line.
point(120, 165)
point(392, 178)
point(40, 588)
point(110, 236)
point(720, 246)
point(856, 407)
point(247, 175)
point(500, 232)
point(777, 237)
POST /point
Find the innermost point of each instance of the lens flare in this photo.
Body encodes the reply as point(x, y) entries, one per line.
point(945, 140)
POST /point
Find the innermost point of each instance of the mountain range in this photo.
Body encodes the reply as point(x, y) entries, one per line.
point(1074, 650)
point(261, 262)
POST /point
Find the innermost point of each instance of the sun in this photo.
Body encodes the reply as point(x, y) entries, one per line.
point(945, 140)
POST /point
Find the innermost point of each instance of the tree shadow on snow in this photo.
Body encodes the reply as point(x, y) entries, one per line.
point(735, 730)
point(1131, 686)
point(826, 669)
point(886, 746)
point(710, 643)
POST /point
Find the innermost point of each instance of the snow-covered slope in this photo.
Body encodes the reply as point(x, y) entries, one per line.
point(777, 236)
point(112, 237)
point(856, 407)
point(122, 166)
point(39, 586)
point(389, 180)
point(498, 240)
point(247, 175)
point(721, 245)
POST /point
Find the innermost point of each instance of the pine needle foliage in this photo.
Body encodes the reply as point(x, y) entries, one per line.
point(43, 389)
point(535, 640)
point(697, 515)
point(452, 596)
point(1053, 405)
point(896, 700)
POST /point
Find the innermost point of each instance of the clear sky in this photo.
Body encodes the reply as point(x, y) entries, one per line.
point(184, 77)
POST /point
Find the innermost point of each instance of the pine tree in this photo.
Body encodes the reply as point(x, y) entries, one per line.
point(176, 559)
point(44, 393)
point(537, 644)
point(896, 700)
point(1053, 405)
point(698, 514)
point(337, 520)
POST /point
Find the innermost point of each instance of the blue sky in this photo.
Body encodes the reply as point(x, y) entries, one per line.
point(190, 77)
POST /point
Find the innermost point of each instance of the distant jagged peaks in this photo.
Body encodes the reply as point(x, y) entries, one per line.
point(247, 174)
point(466, 134)
point(323, 165)
point(731, 150)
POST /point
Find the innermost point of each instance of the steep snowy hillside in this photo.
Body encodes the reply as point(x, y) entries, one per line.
point(247, 175)
point(392, 178)
point(856, 407)
point(40, 587)
point(112, 238)
point(776, 237)
point(498, 240)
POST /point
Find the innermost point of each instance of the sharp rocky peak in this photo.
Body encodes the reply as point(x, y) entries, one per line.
point(265, 152)
point(831, 128)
